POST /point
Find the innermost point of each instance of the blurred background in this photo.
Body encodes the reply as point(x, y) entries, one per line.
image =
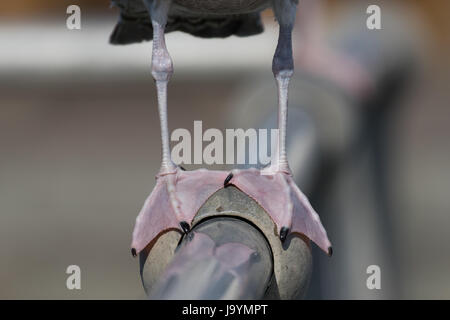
point(368, 140)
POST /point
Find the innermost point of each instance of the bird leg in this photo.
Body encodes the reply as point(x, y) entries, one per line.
point(283, 68)
point(274, 188)
point(163, 208)
point(162, 70)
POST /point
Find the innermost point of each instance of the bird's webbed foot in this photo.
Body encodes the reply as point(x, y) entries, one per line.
point(173, 203)
point(275, 190)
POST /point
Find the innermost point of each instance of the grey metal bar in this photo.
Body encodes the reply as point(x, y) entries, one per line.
point(221, 258)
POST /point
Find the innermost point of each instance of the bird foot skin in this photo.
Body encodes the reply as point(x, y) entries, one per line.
point(178, 196)
point(274, 189)
point(173, 203)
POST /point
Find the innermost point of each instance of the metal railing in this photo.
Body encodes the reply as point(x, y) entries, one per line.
point(221, 258)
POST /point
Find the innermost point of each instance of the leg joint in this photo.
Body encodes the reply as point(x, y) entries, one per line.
point(162, 68)
point(282, 60)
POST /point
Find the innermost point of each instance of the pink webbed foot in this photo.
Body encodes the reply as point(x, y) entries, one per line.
point(173, 203)
point(278, 194)
point(178, 196)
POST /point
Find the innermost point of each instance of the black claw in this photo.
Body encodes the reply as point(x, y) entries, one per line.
point(330, 251)
point(228, 179)
point(182, 168)
point(133, 252)
point(283, 233)
point(185, 226)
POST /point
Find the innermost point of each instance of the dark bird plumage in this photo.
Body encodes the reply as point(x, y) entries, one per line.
point(135, 26)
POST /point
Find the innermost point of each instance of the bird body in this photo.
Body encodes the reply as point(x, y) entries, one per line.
point(200, 18)
point(220, 7)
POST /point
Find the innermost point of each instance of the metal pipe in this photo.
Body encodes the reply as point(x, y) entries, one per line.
point(221, 258)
